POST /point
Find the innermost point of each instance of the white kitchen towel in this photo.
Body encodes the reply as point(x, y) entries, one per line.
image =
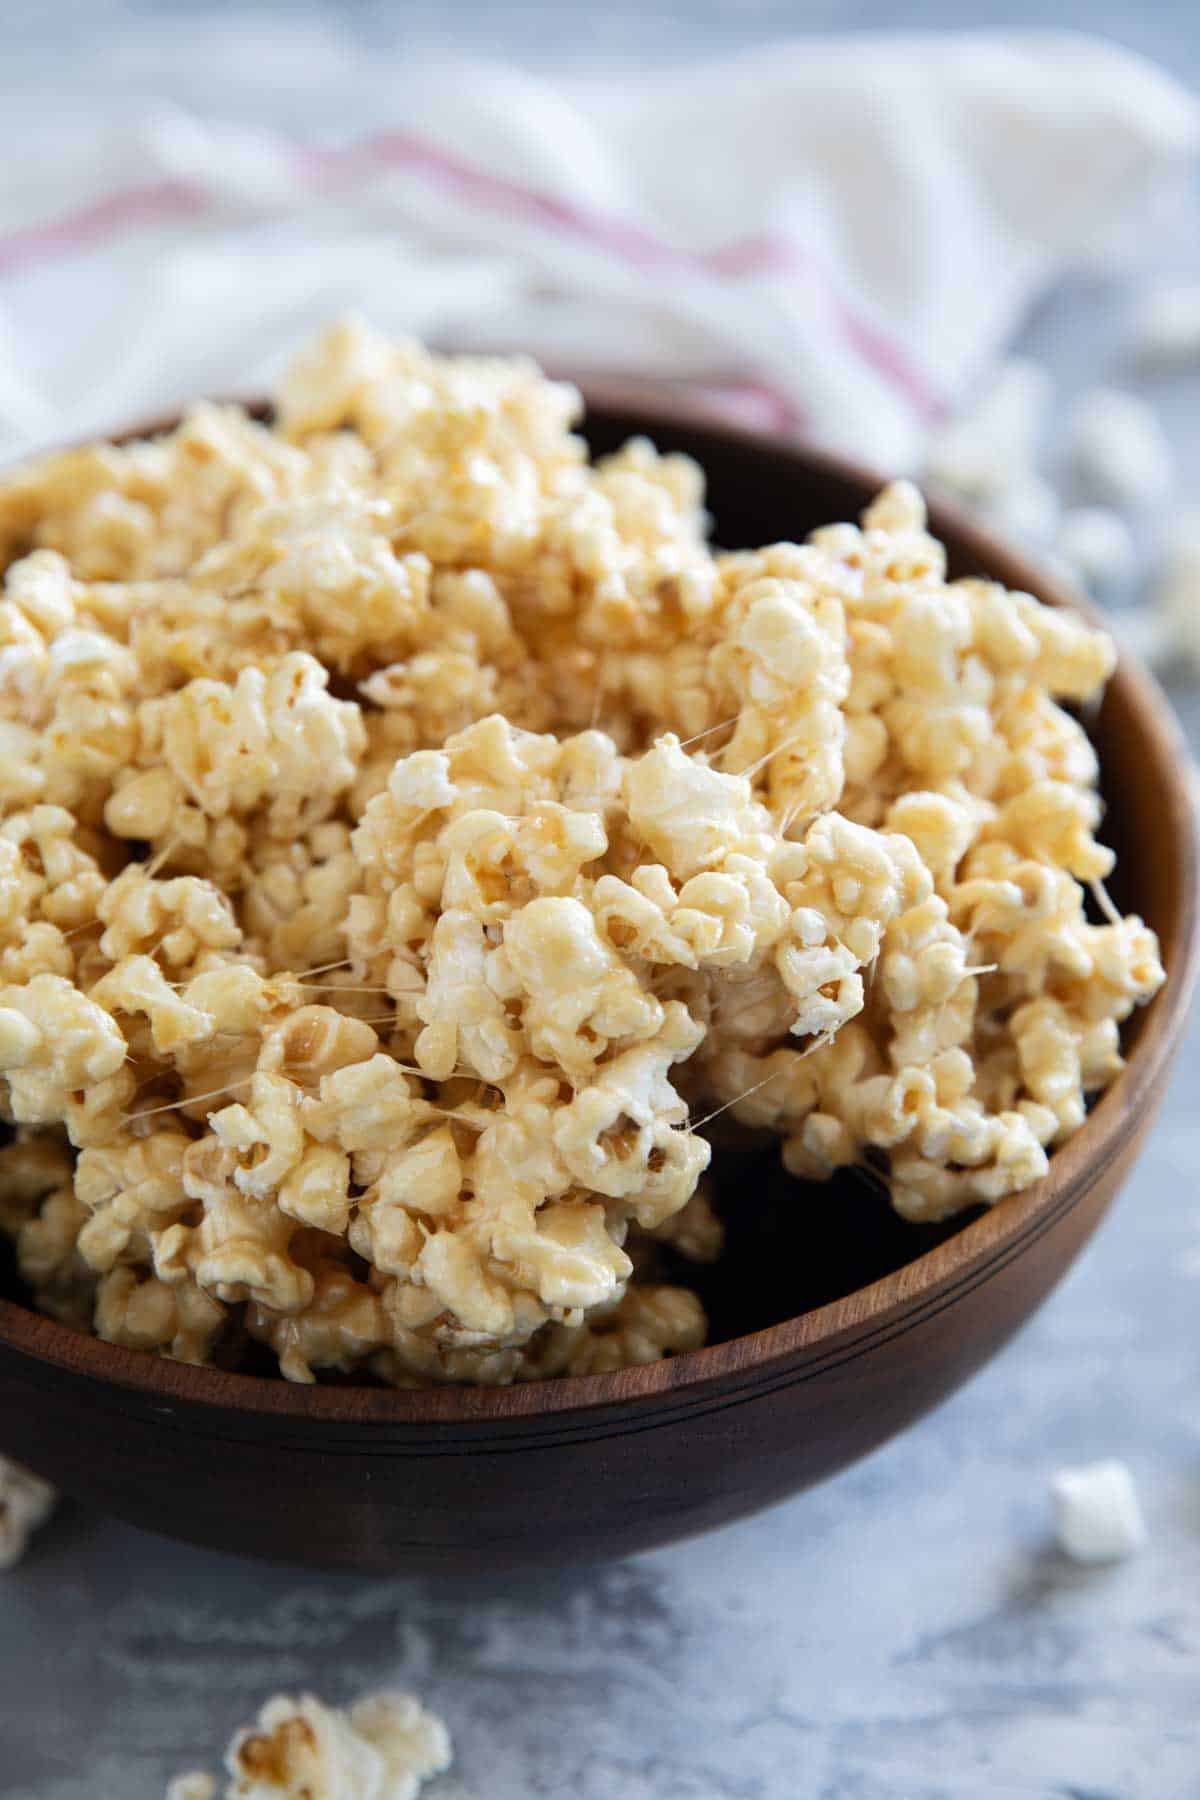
point(831, 237)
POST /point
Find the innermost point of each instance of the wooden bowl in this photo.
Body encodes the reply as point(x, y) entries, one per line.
point(837, 1324)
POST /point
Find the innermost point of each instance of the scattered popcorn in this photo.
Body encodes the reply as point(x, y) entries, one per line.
point(1097, 1514)
point(1029, 509)
point(194, 1786)
point(25, 1501)
point(1143, 632)
point(385, 1747)
point(984, 452)
point(1097, 546)
point(1120, 450)
point(1175, 596)
point(410, 833)
point(1166, 324)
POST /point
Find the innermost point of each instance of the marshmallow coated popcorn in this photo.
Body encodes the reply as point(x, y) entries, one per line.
point(408, 829)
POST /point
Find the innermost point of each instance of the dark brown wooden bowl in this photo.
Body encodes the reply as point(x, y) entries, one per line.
point(836, 1324)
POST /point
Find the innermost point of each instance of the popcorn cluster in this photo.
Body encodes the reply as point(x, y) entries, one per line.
point(384, 1747)
point(407, 828)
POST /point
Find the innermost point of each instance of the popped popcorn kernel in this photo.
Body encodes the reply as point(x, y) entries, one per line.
point(26, 1501)
point(387, 1745)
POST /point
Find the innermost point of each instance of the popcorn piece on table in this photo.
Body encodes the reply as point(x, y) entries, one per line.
point(1120, 448)
point(1175, 594)
point(195, 1785)
point(1029, 509)
point(992, 448)
point(1166, 324)
point(1097, 1514)
point(385, 1747)
point(25, 1502)
point(1097, 546)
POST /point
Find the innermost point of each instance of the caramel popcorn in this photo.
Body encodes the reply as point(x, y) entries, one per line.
point(411, 833)
point(384, 1747)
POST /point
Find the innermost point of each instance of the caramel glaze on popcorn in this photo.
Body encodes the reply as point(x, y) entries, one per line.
point(892, 1316)
point(410, 828)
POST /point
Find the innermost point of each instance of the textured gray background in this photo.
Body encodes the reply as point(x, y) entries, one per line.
point(904, 1633)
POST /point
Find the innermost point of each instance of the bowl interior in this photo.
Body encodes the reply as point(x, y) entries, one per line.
point(793, 1246)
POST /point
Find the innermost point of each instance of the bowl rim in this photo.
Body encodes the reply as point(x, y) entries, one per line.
point(842, 1326)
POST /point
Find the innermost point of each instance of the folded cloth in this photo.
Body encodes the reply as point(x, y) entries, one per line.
point(830, 237)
